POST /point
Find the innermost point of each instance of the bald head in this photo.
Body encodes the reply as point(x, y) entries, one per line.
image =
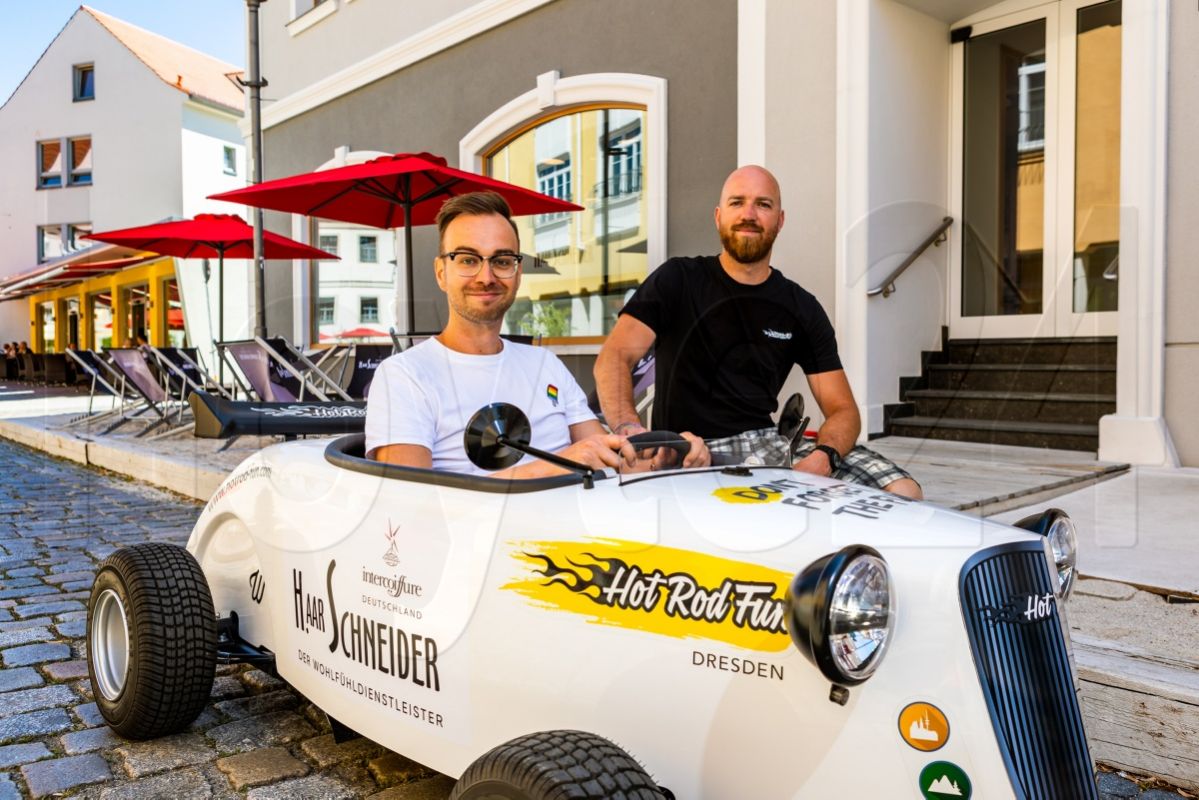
point(750, 214)
point(755, 181)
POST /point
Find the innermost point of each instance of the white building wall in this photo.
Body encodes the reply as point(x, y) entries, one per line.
point(204, 135)
point(795, 138)
point(134, 125)
point(908, 186)
point(893, 118)
point(338, 34)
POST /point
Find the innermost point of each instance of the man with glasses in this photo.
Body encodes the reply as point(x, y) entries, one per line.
point(421, 399)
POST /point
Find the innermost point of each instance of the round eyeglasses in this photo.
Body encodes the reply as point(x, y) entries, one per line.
point(468, 265)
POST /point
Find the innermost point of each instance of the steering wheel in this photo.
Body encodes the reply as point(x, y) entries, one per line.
point(655, 439)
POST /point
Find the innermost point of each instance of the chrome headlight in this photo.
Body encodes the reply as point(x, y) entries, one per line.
point(841, 613)
point(1058, 529)
point(1063, 541)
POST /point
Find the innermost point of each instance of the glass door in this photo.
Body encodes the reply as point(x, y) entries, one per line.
point(1036, 173)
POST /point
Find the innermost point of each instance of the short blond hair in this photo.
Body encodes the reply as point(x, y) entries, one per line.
point(474, 204)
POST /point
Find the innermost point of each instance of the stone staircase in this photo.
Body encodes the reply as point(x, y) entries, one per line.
point(1029, 392)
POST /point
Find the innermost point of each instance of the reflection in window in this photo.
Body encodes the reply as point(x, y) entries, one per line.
point(1032, 104)
point(46, 314)
point(49, 242)
point(75, 234)
point(84, 87)
point(81, 161)
point(1097, 159)
point(230, 160)
point(49, 156)
point(138, 321)
point(582, 266)
point(345, 290)
point(324, 311)
point(176, 332)
point(101, 304)
point(1003, 175)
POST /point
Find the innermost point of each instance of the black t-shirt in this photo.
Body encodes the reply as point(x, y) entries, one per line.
point(723, 348)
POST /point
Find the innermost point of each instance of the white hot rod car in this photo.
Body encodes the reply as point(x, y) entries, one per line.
point(742, 632)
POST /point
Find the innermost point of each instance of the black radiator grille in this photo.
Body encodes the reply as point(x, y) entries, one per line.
point(1016, 634)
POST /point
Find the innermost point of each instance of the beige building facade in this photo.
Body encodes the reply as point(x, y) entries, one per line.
point(1051, 133)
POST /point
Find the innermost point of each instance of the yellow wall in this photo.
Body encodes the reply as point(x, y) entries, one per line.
point(154, 273)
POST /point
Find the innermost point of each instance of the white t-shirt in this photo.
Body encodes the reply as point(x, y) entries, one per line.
point(427, 394)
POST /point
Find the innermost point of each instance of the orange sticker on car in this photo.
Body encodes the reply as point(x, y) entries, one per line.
point(924, 726)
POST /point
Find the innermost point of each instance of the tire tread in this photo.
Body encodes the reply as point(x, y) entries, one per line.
point(174, 627)
point(561, 765)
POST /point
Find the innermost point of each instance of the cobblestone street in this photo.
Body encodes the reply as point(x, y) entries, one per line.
point(257, 738)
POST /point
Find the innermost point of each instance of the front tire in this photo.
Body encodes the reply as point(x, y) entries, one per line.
point(556, 765)
point(151, 640)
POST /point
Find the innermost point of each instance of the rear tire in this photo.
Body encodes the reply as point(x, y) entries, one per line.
point(151, 640)
point(556, 765)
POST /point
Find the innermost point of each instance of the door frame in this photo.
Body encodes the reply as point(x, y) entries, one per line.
point(1057, 317)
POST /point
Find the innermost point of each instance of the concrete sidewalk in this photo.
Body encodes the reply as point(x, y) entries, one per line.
point(181, 463)
point(1141, 528)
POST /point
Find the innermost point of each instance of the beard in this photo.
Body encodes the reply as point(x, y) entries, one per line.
point(748, 251)
point(486, 315)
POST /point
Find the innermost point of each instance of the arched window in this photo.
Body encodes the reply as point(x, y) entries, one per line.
point(597, 141)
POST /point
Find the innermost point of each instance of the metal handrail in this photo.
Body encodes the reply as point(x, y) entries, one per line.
point(887, 287)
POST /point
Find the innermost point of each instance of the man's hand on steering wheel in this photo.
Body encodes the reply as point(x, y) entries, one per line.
point(666, 457)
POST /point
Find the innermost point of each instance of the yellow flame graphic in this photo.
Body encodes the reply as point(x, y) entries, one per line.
point(661, 590)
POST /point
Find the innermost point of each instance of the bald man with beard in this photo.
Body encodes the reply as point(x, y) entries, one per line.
point(727, 330)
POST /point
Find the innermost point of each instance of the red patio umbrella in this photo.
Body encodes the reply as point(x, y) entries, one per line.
point(404, 189)
point(359, 333)
point(209, 236)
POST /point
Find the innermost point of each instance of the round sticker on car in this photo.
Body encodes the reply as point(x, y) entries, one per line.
point(924, 726)
point(749, 494)
point(942, 780)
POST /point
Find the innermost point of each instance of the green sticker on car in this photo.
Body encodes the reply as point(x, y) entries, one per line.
point(942, 780)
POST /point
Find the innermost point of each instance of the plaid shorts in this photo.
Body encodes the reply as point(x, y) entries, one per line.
point(766, 448)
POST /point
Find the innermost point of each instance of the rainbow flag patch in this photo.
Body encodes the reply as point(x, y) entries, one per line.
point(551, 391)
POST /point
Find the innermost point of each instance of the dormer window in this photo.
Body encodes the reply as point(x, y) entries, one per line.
point(84, 82)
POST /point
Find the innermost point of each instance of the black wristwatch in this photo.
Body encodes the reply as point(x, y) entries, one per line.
point(834, 458)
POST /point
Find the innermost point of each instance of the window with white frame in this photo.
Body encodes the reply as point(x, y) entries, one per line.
point(328, 243)
point(83, 82)
point(80, 150)
point(230, 160)
point(1031, 104)
point(324, 311)
point(49, 159)
point(368, 249)
point(368, 308)
point(49, 242)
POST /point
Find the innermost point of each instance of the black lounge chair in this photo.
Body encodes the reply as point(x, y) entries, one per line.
point(180, 368)
point(100, 376)
point(367, 358)
point(277, 372)
point(139, 381)
point(220, 418)
point(643, 389)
